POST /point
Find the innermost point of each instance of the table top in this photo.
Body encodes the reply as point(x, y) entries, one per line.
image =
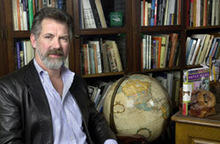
point(212, 120)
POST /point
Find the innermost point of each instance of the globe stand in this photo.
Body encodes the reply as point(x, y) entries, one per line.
point(135, 139)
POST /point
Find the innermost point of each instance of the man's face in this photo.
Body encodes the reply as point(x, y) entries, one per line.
point(52, 45)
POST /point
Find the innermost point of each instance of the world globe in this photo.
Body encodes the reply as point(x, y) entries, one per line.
point(137, 104)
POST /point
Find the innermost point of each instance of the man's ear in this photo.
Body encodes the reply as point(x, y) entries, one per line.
point(33, 40)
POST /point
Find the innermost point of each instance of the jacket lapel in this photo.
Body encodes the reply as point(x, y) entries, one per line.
point(38, 96)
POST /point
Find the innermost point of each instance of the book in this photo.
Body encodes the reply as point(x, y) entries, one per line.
point(174, 38)
point(29, 51)
point(88, 16)
point(91, 60)
point(113, 56)
point(163, 51)
point(196, 51)
point(203, 38)
point(191, 51)
point(197, 77)
point(104, 93)
point(30, 12)
point(18, 50)
point(85, 59)
point(95, 13)
point(15, 15)
point(105, 60)
point(97, 55)
point(101, 13)
point(158, 40)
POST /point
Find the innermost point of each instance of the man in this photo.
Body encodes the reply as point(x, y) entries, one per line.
point(44, 102)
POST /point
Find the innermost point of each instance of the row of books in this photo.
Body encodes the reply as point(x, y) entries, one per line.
point(97, 93)
point(24, 52)
point(169, 80)
point(200, 48)
point(172, 83)
point(24, 10)
point(99, 56)
point(160, 12)
point(160, 51)
point(91, 14)
point(203, 12)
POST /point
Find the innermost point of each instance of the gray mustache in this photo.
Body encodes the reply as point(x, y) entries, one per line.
point(56, 52)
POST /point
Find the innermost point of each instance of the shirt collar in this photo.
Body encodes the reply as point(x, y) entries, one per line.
point(65, 72)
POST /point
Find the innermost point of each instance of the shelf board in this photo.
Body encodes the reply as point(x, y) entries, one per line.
point(191, 66)
point(103, 74)
point(162, 69)
point(21, 34)
point(101, 31)
point(203, 29)
point(162, 29)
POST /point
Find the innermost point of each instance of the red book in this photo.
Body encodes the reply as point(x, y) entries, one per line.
point(159, 39)
point(143, 12)
point(155, 13)
point(205, 13)
point(174, 38)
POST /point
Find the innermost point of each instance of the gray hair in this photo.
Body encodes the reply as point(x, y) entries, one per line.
point(51, 13)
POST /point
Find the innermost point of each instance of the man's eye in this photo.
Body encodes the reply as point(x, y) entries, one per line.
point(64, 39)
point(48, 37)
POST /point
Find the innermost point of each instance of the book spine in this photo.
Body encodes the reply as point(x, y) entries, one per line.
point(18, 55)
point(30, 12)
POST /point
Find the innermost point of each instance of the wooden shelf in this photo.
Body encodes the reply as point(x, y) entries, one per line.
point(21, 34)
point(103, 74)
point(162, 29)
point(101, 31)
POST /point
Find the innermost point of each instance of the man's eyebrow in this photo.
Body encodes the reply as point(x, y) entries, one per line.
point(48, 34)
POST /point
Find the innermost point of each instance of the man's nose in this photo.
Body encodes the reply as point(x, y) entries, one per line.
point(56, 43)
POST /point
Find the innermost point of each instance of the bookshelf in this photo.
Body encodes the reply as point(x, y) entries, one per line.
point(132, 29)
point(3, 43)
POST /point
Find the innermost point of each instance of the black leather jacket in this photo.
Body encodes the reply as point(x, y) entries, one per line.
point(25, 116)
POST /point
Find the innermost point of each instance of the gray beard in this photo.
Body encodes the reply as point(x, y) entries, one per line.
point(51, 63)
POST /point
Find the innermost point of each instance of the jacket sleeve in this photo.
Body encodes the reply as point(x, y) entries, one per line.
point(10, 119)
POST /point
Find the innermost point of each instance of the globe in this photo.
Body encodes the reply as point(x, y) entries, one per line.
point(137, 104)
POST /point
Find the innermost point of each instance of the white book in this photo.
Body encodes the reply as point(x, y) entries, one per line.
point(217, 12)
point(101, 13)
point(15, 15)
point(198, 12)
point(29, 51)
point(209, 46)
point(149, 50)
point(203, 51)
point(25, 51)
point(82, 23)
point(166, 12)
point(213, 12)
point(88, 15)
point(197, 47)
point(142, 13)
point(146, 14)
point(25, 20)
point(202, 37)
point(192, 48)
point(171, 11)
point(144, 52)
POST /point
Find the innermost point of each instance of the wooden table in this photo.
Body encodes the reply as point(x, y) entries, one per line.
point(193, 130)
